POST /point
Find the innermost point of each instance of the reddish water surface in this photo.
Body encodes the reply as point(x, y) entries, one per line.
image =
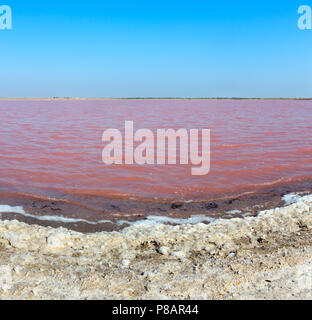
point(55, 146)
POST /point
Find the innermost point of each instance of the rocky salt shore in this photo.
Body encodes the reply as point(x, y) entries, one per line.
point(263, 257)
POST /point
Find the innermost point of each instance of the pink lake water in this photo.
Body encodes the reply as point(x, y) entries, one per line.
point(52, 147)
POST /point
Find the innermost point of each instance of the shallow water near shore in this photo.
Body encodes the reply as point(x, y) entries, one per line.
point(113, 214)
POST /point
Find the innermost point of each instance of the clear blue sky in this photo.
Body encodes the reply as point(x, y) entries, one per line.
point(155, 49)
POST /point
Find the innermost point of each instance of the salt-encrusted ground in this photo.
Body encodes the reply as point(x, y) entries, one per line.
point(263, 257)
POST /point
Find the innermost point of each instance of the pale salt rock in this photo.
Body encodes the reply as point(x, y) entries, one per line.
point(164, 250)
point(35, 291)
point(18, 269)
point(5, 278)
point(231, 254)
point(178, 254)
point(56, 241)
point(125, 263)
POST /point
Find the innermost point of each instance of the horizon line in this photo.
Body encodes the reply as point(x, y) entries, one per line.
point(156, 98)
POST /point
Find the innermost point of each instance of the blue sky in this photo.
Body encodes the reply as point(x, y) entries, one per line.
point(155, 49)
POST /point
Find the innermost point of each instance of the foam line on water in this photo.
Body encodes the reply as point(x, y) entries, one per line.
point(149, 219)
point(234, 211)
point(291, 198)
point(164, 219)
point(20, 210)
point(296, 198)
point(288, 199)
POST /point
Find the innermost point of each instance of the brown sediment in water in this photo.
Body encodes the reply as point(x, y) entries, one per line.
point(115, 209)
